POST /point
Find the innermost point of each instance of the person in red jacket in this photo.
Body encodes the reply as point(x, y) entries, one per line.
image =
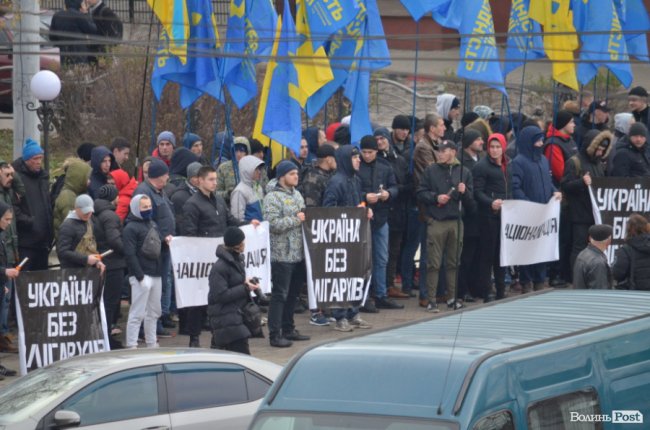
point(125, 187)
point(559, 146)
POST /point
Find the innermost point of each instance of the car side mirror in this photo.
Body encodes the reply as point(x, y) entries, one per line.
point(66, 419)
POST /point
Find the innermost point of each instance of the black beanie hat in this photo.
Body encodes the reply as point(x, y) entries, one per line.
point(562, 119)
point(233, 237)
point(368, 142)
point(639, 92)
point(325, 150)
point(470, 137)
point(401, 122)
point(468, 118)
point(84, 150)
point(107, 192)
point(638, 129)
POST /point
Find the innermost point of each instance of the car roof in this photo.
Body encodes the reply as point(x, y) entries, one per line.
point(111, 361)
point(400, 369)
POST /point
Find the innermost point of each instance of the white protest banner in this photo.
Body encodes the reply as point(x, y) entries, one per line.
point(338, 256)
point(529, 232)
point(613, 200)
point(60, 314)
point(193, 257)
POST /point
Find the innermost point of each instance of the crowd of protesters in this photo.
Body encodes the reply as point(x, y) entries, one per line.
point(436, 184)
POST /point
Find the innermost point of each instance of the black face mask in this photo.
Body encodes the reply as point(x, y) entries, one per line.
point(146, 215)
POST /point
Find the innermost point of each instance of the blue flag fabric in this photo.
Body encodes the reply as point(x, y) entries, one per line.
point(605, 49)
point(479, 57)
point(201, 73)
point(419, 8)
point(326, 17)
point(250, 33)
point(522, 46)
point(282, 121)
point(634, 19)
point(371, 54)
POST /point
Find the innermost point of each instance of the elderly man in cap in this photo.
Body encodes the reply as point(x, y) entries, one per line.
point(76, 245)
point(595, 117)
point(591, 269)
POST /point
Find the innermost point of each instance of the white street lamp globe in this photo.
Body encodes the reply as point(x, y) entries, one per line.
point(45, 85)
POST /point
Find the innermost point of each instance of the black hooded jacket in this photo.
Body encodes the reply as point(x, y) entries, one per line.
point(344, 189)
point(107, 228)
point(439, 179)
point(97, 177)
point(135, 232)
point(374, 175)
point(205, 216)
point(35, 229)
point(630, 161)
point(228, 294)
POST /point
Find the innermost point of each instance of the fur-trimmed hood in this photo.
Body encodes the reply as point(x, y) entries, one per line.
point(593, 139)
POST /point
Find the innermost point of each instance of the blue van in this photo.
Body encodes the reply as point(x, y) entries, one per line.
point(559, 359)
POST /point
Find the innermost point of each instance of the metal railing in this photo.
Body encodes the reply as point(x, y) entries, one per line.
point(138, 11)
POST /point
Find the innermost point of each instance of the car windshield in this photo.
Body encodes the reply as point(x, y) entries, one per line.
point(329, 421)
point(29, 394)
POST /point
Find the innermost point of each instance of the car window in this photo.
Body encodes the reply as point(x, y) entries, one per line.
point(204, 385)
point(501, 420)
point(125, 395)
point(560, 412)
point(256, 385)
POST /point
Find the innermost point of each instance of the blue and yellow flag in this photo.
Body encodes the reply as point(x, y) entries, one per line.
point(312, 66)
point(419, 8)
point(249, 38)
point(605, 48)
point(371, 54)
point(555, 16)
point(635, 22)
point(174, 19)
point(325, 18)
point(201, 72)
point(278, 117)
point(523, 43)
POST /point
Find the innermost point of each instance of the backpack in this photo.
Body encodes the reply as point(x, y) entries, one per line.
point(252, 318)
point(152, 244)
point(56, 188)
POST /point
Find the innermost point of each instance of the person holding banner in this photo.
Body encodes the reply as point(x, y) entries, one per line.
point(205, 215)
point(142, 250)
point(579, 170)
point(445, 191)
point(7, 272)
point(283, 209)
point(229, 292)
point(344, 189)
point(492, 185)
point(531, 181)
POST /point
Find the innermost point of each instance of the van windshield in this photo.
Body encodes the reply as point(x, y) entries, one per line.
point(331, 421)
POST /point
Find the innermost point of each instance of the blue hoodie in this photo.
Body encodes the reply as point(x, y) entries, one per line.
point(310, 134)
point(344, 189)
point(531, 173)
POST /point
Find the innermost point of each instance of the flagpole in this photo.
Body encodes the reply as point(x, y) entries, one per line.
point(144, 87)
point(415, 91)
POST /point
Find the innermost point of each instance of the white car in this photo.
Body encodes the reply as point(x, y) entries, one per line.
point(159, 389)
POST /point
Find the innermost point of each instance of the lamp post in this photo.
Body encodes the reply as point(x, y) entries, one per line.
point(46, 86)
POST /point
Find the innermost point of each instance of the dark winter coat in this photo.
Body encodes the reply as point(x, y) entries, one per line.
point(398, 205)
point(312, 185)
point(531, 173)
point(583, 126)
point(491, 183)
point(632, 263)
point(558, 148)
point(373, 175)
point(206, 216)
point(470, 217)
point(439, 179)
point(70, 234)
point(179, 197)
point(79, 27)
point(35, 230)
point(4, 264)
point(135, 231)
point(108, 24)
point(344, 189)
point(573, 186)
point(228, 294)
point(163, 211)
point(107, 228)
point(591, 270)
point(630, 161)
point(97, 177)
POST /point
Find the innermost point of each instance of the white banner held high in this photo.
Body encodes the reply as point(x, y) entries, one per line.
point(193, 258)
point(529, 232)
